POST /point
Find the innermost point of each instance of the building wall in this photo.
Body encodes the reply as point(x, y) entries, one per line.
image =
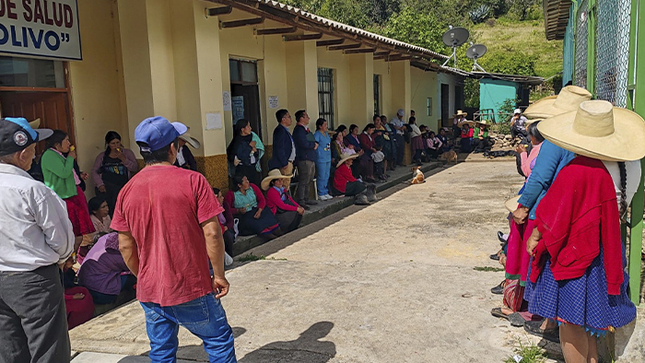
point(97, 87)
point(424, 86)
point(493, 93)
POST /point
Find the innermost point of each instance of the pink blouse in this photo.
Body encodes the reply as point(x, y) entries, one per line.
point(528, 159)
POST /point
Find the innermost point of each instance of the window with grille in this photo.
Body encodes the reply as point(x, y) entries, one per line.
point(377, 94)
point(326, 95)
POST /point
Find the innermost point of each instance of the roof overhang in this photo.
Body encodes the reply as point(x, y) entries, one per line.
point(530, 80)
point(556, 18)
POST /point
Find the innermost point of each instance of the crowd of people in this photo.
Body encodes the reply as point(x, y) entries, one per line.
point(564, 256)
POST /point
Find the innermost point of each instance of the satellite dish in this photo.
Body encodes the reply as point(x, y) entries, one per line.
point(475, 52)
point(454, 38)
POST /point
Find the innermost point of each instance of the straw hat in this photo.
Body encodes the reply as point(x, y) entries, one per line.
point(568, 100)
point(598, 130)
point(460, 113)
point(512, 203)
point(483, 123)
point(469, 122)
point(345, 157)
point(273, 175)
point(190, 140)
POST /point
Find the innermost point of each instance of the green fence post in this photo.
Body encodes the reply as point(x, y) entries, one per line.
point(636, 102)
point(591, 47)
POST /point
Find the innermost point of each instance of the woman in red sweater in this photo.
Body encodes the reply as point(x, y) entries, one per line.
point(577, 270)
point(279, 201)
point(345, 183)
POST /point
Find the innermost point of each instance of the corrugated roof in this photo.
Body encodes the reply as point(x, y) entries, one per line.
point(556, 18)
point(312, 22)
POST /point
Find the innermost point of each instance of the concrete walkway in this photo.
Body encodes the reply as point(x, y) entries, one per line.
point(391, 282)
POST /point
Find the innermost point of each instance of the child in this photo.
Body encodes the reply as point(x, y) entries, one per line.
point(229, 235)
point(379, 157)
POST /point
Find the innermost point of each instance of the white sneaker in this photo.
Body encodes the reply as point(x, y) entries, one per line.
point(228, 260)
point(329, 197)
point(323, 197)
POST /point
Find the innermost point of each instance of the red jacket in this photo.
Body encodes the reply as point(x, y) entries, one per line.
point(342, 176)
point(367, 142)
point(576, 216)
point(229, 202)
point(274, 201)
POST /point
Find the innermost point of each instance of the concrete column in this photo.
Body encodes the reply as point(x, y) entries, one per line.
point(361, 69)
point(302, 77)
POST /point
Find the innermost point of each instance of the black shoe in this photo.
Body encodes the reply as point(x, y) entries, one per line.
point(311, 202)
point(494, 257)
point(533, 327)
point(499, 289)
point(500, 236)
point(305, 206)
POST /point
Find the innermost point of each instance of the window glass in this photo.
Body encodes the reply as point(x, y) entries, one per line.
point(234, 70)
point(249, 72)
point(24, 72)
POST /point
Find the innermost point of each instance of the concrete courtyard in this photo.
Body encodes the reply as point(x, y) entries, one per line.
point(392, 282)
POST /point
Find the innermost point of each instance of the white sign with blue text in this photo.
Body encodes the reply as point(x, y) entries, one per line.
point(43, 28)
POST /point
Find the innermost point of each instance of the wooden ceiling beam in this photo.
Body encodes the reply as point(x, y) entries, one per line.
point(291, 38)
point(380, 54)
point(325, 43)
point(359, 51)
point(344, 46)
point(239, 23)
point(222, 10)
point(274, 31)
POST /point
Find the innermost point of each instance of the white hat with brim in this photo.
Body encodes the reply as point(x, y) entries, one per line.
point(345, 157)
point(460, 113)
point(482, 122)
point(190, 140)
point(273, 175)
point(599, 131)
point(568, 100)
point(469, 122)
point(511, 204)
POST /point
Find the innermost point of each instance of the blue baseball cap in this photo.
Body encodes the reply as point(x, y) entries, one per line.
point(158, 133)
point(16, 134)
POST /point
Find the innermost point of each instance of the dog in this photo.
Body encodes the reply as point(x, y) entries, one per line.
point(449, 156)
point(417, 176)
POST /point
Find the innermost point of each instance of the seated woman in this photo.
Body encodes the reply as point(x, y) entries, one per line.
point(286, 210)
point(433, 145)
point(368, 145)
point(466, 136)
point(247, 203)
point(100, 214)
point(481, 141)
point(103, 271)
point(78, 301)
point(345, 183)
point(353, 141)
point(243, 153)
point(382, 138)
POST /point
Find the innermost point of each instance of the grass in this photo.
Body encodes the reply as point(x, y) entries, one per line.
point(527, 37)
point(488, 269)
point(528, 354)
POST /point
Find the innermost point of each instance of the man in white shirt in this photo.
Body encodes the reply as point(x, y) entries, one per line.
point(36, 237)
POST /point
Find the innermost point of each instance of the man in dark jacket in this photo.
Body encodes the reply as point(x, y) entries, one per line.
point(306, 147)
point(284, 149)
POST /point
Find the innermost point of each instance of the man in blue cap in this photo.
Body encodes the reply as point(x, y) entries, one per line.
point(36, 237)
point(168, 230)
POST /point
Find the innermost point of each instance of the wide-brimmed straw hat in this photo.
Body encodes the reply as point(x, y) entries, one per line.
point(190, 140)
point(568, 100)
point(469, 122)
point(483, 123)
point(460, 113)
point(345, 157)
point(273, 175)
point(512, 203)
point(598, 130)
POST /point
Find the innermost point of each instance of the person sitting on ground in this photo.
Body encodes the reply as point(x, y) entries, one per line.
point(242, 152)
point(59, 175)
point(104, 272)
point(227, 233)
point(466, 136)
point(286, 210)
point(246, 202)
point(368, 145)
point(518, 124)
point(99, 214)
point(113, 168)
point(185, 158)
point(416, 141)
point(345, 183)
point(434, 145)
point(323, 159)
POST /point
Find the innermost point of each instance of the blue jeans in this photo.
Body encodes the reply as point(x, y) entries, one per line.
point(323, 168)
point(205, 317)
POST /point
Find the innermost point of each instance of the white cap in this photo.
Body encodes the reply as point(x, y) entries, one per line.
point(400, 112)
point(517, 110)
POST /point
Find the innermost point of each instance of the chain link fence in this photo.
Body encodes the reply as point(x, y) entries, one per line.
point(580, 77)
point(612, 50)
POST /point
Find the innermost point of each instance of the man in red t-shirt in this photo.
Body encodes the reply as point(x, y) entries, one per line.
point(168, 229)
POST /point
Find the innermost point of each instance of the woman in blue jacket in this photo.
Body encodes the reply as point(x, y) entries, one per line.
point(323, 161)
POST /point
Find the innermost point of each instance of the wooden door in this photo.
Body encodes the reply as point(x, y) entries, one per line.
point(51, 107)
point(445, 106)
point(246, 101)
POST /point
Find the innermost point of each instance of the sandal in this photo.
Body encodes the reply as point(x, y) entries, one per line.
point(534, 328)
point(497, 312)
